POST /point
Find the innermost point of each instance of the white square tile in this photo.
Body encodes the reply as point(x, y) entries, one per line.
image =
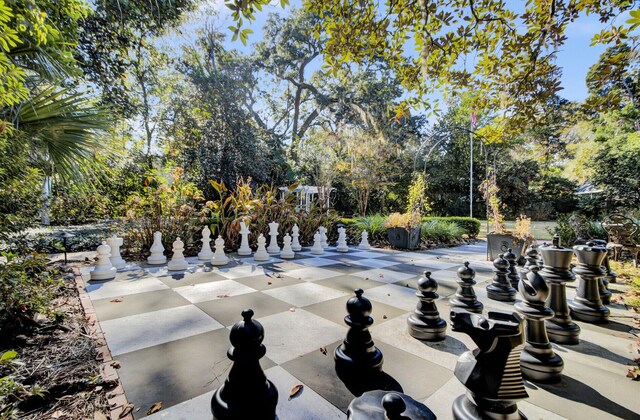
point(314, 262)
point(137, 332)
point(195, 408)
point(434, 264)
point(303, 294)
point(394, 295)
point(289, 335)
point(384, 275)
point(214, 290)
point(244, 270)
point(374, 263)
point(312, 273)
point(115, 288)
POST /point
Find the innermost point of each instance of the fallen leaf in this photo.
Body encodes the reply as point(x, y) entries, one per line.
point(155, 408)
point(226, 295)
point(296, 391)
point(58, 413)
point(126, 410)
point(98, 415)
point(388, 294)
point(380, 275)
point(384, 317)
point(323, 350)
point(292, 309)
point(269, 283)
point(137, 409)
point(115, 364)
point(116, 300)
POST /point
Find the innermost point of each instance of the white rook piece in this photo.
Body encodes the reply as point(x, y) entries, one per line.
point(178, 262)
point(287, 253)
point(219, 258)
point(273, 247)
point(316, 249)
point(244, 242)
point(364, 242)
point(115, 243)
point(157, 251)
point(295, 245)
point(205, 253)
point(104, 270)
point(261, 253)
point(323, 237)
point(342, 246)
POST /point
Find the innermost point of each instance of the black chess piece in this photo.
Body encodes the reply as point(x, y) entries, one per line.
point(246, 393)
point(513, 276)
point(500, 289)
point(465, 296)
point(491, 373)
point(603, 282)
point(587, 305)
point(383, 405)
point(538, 361)
point(532, 258)
point(557, 260)
point(357, 354)
point(425, 322)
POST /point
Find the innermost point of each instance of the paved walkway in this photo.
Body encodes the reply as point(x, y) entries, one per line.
point(169, 331)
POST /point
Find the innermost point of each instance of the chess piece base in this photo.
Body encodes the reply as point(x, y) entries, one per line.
point(364, 247)
point(465, 409)
point(369, 362)
point(262, 408)
point(565, 333)
point(104, 275)
point(296, 248)
point(541, 368)
point(287, 256)
point(501, 294)
point(472, 306)
point(317, 252)
point(118, 263)
point(588, 313)
point(244, 252)
point(206, 256)
point(342, 249)
point(157, 260)
point(426, 331)
point(219, 261)
point(177, 265)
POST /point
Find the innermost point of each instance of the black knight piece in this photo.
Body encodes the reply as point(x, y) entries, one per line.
point(425, 322)
point(500, 289)
point(587, 305)
point(357, 354)
point(465, 297)
point(491, 373)
point(383, 405)
point(513, 276)
point(247, 393)
point(538, 361)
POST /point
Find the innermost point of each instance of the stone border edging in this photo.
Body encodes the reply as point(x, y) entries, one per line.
point(116, 397)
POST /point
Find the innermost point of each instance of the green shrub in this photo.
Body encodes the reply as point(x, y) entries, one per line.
point(441, 231)
point(470, 225)
point(71, 206)
point(566, 229)
point(374, 225)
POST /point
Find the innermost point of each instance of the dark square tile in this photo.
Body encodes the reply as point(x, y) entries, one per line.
point(343, 258)
point(180, 278)
point(347, 283)
point(138, 303)
point(227, 311)
point(408, 269)
point(346, 268)
point(267, 281)
point(335, 310)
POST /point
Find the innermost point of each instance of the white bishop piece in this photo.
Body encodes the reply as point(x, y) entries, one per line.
point(244, 242)
point(178, 262)
point(295, 244)
point(364, 242)
point(317, 249)
point(342, 246)
point(261, 253)
point(115, 243)
point(287, 253)
point(219, 258)
point(103, 270)
point(205, 253)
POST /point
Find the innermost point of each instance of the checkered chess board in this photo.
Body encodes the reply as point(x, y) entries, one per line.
point(170, 330)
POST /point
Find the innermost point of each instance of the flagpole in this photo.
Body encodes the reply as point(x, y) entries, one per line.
point(471, 169)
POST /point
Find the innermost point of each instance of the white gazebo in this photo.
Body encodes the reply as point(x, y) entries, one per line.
point(305, 195)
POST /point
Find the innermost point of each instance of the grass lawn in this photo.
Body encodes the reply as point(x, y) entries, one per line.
point(538, 229)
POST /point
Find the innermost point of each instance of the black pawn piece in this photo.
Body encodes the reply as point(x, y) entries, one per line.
point(513, 276)
point(247, 393)
point(587, 305)
point(383, 405)
point(532, 258)
point(491, 373)
point(500, 289)
point(425, 322)
point(357, 354)
point(603, 282)
point(538, 361)
point(465, 297)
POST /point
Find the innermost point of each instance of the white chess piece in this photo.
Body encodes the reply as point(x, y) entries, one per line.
point(287, 253)
point(205, 253)
point(364, 242)
point(342, 246)
point(178, 262)
point(116, 259)
point(261, 253)
point(103, 270)
point(323, 237)
point(273, 247)
point(244, 249)
point(317, 249)
point(295, 234)
point(219, 257)
point(157, 251)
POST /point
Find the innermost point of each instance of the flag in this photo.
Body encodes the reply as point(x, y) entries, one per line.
point(474, 120)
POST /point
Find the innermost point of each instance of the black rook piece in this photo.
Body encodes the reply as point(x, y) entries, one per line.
point(425, 322)
point(383, 405)
point(556, 272)
point(587, 305)
point(538, 361)
point(247, 393)
point(357, 354)
point(501, 288)
point(511, 258)
point(491, 373)
point(465, 297)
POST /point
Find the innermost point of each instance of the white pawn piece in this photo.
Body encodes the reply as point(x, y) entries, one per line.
point(178, 262)
point(342, 246)
point(115, 243)
point(157, 251)
point(317, 249)
point(323, 237)
point(205, 253)
point(295, 233)
point(287, 253)
point(104, 270)
point(219, 258)
point(364, 242)
point(244, 242)
point(273, 247)
point(261, 253)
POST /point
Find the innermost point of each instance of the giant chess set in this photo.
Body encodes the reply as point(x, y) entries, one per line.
point(343, 331)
